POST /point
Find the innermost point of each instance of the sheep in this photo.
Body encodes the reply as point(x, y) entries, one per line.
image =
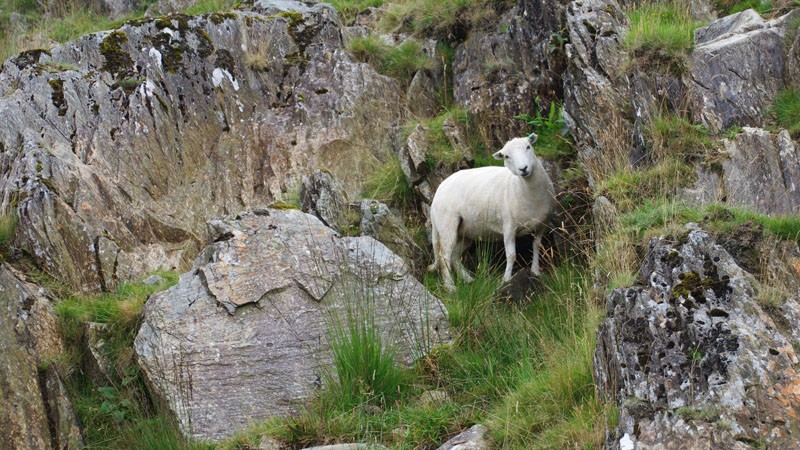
point(488, 203)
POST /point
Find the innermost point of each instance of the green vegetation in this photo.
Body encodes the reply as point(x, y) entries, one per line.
point(349, 9)
point(210, 6)
point(551, 130)
point(727, 7)
point(8, 224)
point(389, 185)
point(525, 370)
point(786, 111)
point(400, 62)
point(113, 407)
point(449, 20)
point(662, 33)
point(672, 135)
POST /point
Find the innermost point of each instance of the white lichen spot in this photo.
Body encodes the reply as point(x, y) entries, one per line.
point(147, 88)
point(626, 443)
point(156, 55)
point(219, 74)
point(169, 32)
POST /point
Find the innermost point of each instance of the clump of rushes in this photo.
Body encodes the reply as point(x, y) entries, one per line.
point(448, 20)
point(786, 111)
point(661, 33)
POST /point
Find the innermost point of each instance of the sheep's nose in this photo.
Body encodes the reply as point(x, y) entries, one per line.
point(524, 170)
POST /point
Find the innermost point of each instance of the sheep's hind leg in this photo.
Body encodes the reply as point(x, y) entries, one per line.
point(537, 242)
point(448, 240)
point(459, 265)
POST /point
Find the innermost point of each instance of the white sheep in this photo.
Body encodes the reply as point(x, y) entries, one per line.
point(488, 203)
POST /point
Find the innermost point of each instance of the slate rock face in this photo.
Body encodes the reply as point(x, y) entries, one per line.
point(36, 412)
point(596, 91)
point(692, 359)
point(498, 74)
point(119, 146)
point(243, 335)
point(737, 68)
point(757, 169)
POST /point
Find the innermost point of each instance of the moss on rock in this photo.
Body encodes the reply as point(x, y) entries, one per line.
point(117, 61)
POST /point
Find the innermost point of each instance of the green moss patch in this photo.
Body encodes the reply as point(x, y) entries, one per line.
point(118, 62)
point(57, 96)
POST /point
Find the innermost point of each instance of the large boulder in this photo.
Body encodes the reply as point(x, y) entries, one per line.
point(692, 359)
point(757, 169)
point(36, 412)
point(737, 68)
point(499, 73)
point(119, 146)
point(244, 335)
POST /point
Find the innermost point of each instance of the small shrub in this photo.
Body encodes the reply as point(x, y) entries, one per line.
point(786, 111)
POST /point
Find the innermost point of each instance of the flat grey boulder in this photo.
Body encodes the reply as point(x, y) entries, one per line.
point(692, 359)
point(244, 335)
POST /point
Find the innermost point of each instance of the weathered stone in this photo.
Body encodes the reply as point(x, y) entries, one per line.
point(162, 7)
point(499, 73)
point(243, 335)
point(691, 358)
point(154, 280)
point(120, 145)
point(737, 68)
point(116, 9)
point(323, 196)
point(756, 169)
point(596, 90)
point(96, 364)
point(379, 222)
point(421, 95)
point(37, 413)
point(472, 439)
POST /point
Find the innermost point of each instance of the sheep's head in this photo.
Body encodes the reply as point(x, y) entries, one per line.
point(518, 155)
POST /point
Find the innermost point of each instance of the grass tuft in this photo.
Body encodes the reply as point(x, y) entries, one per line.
point(662, 33)
point(400, 62)
point(786, 111)
point(349, 9)
point(388, 184)
point(8, 225)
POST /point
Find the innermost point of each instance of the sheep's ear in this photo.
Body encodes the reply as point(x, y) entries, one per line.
point(499, 155)
point(533, 137)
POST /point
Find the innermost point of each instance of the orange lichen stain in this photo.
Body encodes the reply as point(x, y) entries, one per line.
point(796, 265)
point(86, 206)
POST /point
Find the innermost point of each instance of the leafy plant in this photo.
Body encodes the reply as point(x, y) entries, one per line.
point(551, 131)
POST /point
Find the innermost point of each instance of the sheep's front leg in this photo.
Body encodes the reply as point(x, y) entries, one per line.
point(537, 242)
point(510, 242)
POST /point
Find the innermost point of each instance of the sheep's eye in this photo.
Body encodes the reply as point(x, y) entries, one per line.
point(505, 156)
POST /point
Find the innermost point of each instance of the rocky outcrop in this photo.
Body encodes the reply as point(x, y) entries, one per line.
point(323, 196)
point(692, 358)
point(36, 412)
point(737, 68)
point(118, 146)
point(243, 335)
point(472, 439)
point(499, 73)
point(596, 92)
point(756, 169)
